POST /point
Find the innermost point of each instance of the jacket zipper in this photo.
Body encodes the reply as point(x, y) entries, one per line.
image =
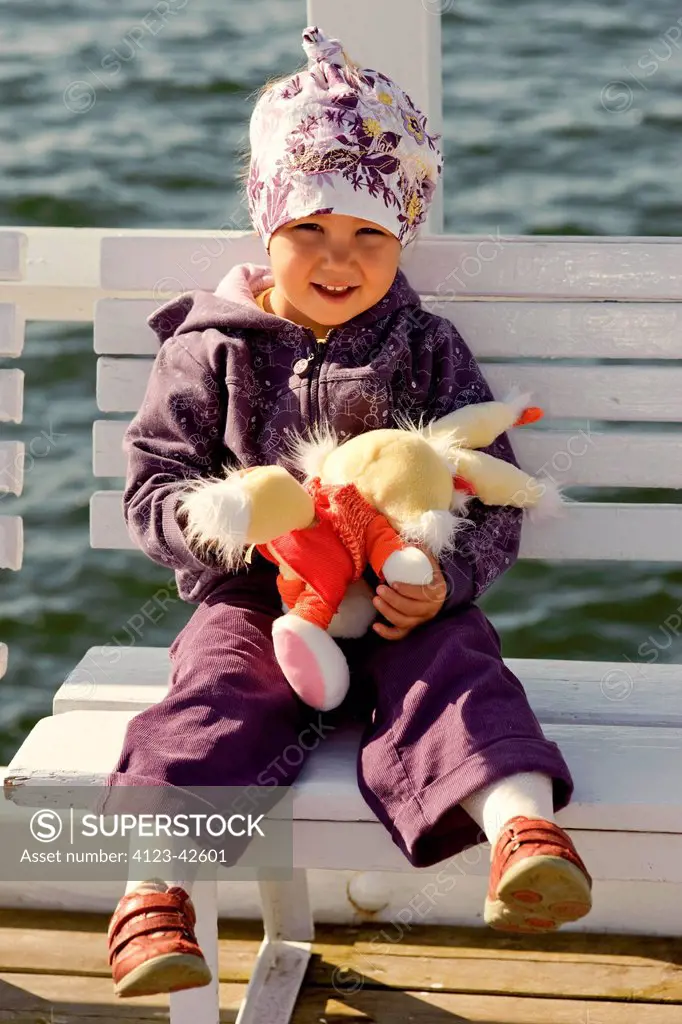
point(316, 360)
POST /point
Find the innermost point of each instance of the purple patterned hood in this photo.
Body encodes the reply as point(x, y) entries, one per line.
point(231, 381)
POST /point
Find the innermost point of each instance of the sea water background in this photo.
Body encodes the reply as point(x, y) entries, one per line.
point(558, 120)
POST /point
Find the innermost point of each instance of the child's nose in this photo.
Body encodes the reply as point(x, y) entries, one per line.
point(338, 252)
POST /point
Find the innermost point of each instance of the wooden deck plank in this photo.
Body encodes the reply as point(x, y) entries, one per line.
point(600, 972)
point(424, 939)
point(539, 974)
point(59, 999)
point(86, 1003)
point(381, 1007)
point(55, 1016)
point(62, 998)
point(55, 999)
point(536, 978)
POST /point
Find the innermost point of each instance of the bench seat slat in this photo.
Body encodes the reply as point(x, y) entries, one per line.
point(626, 777)
point(578, 458)
point(492, 329)
point(622, 393)
point(121, 677)
point(475, 265)
point(611, 856)
point(587, 530)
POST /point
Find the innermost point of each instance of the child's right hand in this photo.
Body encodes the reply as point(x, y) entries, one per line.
point(408, 605)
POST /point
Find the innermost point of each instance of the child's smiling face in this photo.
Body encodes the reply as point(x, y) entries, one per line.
point(330, 249)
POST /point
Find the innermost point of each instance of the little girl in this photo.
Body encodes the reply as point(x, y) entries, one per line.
point(342, 171)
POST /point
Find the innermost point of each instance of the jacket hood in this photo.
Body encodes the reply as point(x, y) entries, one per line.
point(233, 305)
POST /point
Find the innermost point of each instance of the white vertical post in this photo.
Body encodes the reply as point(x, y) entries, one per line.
point(202, 1005)
point(404, 41)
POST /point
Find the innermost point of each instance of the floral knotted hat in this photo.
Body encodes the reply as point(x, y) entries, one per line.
point(338, 139)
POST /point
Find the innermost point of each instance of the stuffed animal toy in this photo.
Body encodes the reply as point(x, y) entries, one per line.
point(375, 500)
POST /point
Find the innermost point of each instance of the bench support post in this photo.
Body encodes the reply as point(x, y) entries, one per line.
point(201, 1005)
point(284, 953)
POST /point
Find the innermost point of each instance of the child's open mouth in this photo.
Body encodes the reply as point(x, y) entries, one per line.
point(334, 295)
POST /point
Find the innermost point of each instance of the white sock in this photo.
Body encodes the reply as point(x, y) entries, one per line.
point(177, 872)
point(527, 793)
point(148, 885)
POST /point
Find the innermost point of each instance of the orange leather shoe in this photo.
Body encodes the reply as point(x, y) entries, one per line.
point(537, 879)
point(152, 945)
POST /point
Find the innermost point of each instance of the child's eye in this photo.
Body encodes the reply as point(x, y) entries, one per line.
point(372, 231)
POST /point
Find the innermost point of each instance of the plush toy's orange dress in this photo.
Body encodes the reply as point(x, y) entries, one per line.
point(346, 536)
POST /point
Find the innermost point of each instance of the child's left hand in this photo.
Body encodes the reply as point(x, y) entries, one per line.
point(407, 605)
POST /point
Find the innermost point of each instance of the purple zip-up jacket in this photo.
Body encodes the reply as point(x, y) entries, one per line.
point(230, 381)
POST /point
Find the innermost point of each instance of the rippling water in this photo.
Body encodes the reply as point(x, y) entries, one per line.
point(558, 120)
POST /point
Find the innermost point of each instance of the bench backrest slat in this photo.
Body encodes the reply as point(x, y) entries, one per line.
point(589, 530)
point(495, 329)
point(622, 393)
point(11, 396)
point(12, 255)
point(11, 330)
point(11, 542)
point(580, 458)
point(12, 457)
point(629, 269)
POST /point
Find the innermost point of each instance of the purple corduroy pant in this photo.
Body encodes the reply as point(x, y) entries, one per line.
point(443, 717)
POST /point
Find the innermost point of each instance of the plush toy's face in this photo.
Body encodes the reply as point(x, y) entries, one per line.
point(396, 471)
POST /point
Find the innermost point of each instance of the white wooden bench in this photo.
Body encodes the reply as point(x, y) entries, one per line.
point(523, 305)
point(619, 724)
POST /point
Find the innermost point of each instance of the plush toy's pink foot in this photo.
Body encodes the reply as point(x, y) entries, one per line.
point(313, 664)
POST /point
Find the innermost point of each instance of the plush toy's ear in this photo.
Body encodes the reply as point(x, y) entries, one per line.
point(247, 507)
point(497, 482)
point(217, 514)
point(477, 426)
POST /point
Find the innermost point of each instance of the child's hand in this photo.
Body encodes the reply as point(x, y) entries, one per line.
point(407, 605)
